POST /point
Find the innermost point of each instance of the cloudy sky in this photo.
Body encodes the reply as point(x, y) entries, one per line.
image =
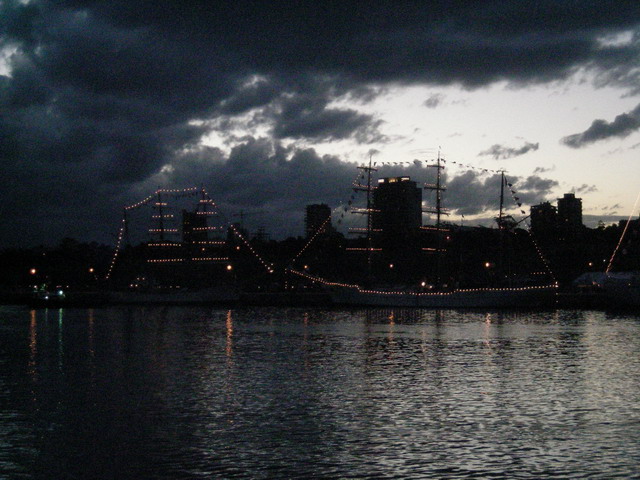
point(270, 105)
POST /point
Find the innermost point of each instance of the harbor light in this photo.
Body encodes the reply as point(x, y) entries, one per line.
point(229, 268)
point(33, 271)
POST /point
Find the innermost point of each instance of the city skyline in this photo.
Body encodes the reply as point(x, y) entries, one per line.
point(271, 108)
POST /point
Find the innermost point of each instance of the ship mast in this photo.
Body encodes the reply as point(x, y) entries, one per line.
point(369, 169)
point(501, 226)
point(160, 215)
point(367, 211)
point(438, 211)
point(501, 198)
point(369, 219)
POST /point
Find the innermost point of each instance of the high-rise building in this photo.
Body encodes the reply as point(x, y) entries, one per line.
point(317, 216)
point(397, 205)
point(570, 215)
point(397, 202)
point(544, 219)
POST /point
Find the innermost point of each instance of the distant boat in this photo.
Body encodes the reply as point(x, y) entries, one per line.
point(58, 297)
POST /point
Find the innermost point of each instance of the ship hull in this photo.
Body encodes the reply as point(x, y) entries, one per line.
point(528, 297)
point(195, 297)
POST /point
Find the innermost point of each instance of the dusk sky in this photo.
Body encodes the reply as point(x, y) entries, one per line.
point(271, 105)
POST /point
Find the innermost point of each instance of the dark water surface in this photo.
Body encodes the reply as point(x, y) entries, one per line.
point(173, 393)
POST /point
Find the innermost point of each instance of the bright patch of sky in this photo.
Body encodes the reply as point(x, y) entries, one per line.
point(5, 58)
point(618, 39)
point(463, 123)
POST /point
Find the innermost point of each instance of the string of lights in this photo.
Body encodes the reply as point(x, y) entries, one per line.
point(314, 278)
point(117, 250)
point(419, 293)
point(313, 237)
point(624, 232)
point(541, 255)
point(174, 192)
point(434, 229)
point(266, 265)
point(425, 162)
point(357, 186)
point(210, 259)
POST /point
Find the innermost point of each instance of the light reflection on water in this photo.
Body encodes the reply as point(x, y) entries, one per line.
point(294, 393)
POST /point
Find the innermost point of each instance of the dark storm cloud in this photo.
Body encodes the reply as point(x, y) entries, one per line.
point(533, 183)
point(500, 152)
point(622, 126)
point(472, 194)
point(272, 184)
point(309, 117)
point(256, 93)
point(263, 176)
point(102, 95)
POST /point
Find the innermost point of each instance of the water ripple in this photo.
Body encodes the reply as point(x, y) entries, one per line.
point(294, 393)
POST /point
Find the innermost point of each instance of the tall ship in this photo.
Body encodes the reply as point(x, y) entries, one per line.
point(186, 257)
point(405, 264)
